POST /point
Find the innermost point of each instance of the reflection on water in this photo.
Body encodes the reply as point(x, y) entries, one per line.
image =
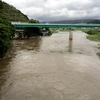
point(41, 68)
point(28, 44)
point(70, 46)
point(4, 67)
point(32, 44)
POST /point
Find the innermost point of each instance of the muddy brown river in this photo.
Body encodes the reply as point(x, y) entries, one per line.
point(42, 68)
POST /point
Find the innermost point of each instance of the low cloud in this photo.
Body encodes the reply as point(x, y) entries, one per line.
point(50, 10)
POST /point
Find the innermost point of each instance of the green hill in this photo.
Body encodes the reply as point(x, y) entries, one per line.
point(95, 22)
point(13, 14)
point(80, 21)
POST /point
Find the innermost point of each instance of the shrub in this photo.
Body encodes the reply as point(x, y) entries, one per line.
point(92, 32)
point(6, 31)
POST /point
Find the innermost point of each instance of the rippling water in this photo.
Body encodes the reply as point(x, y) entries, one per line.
point(42, 68)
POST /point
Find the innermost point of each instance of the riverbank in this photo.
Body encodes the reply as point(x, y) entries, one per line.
point(94, 35)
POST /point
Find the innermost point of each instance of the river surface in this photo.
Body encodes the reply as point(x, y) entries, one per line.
point(43, 68)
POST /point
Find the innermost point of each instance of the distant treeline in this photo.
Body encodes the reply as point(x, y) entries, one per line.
point(94, 22)
point(82, 21)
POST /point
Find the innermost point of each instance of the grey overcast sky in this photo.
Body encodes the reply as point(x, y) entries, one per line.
point(50, 10)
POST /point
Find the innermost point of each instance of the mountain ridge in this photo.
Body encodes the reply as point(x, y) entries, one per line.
point(80, 21)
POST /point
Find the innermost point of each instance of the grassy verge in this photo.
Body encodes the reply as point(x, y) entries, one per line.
point(82, 29)
point(94, 35)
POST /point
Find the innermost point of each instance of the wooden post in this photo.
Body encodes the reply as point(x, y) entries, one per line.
point(70, 40)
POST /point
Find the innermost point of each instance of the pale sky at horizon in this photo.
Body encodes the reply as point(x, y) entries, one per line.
point(52, 10)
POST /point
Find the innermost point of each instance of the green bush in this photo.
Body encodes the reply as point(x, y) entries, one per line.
point(32, 31)
point(92, 32)
point(6, 31)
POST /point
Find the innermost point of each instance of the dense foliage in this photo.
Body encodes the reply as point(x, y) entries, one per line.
point(6, 32)
point(1, 6)
point(32, 31)
point(13, 14)
point(33, 21)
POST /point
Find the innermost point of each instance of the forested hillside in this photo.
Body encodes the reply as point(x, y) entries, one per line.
point(9, 13)
point(6, 32)
point(94, 22)
point(13, 14)
point(81, 21)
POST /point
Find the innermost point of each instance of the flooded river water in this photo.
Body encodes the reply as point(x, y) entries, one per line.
point(42, 68)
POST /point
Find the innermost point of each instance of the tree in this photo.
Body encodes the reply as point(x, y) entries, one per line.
point(33, 31)
point(6, 31)
point(33, 21)
point(1, 6)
